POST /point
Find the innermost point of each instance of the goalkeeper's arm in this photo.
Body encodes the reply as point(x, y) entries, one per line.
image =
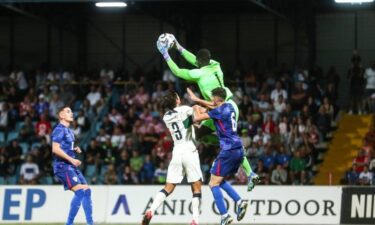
point(188, 56)
point(189, 75)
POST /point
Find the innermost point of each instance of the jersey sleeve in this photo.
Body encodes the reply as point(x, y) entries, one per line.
point(190, 57)
point(188, 110)
point(187, 116)
point(215, 113)
point(57, 135)
point(189, 75)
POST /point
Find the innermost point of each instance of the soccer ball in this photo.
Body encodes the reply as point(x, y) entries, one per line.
point(166, 40)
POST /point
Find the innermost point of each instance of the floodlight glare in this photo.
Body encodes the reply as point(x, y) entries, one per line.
point(354, 1)
point(111, 4)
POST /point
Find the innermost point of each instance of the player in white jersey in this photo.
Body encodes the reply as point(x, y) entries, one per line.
point(185, 159)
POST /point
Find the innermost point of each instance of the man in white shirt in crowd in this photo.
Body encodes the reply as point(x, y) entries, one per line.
point(365, 177)
point(370, 87)
point(94, 96)
point(29, 171)
point(278, 91)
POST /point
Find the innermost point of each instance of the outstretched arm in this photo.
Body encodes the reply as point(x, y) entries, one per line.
point(188, 56)
point(189, 75)
point(194, 98)
point(199, 114)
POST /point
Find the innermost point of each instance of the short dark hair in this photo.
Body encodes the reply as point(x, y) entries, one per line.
point(61, 109)
point(219, 92)
point(204, 55)
point(169, 100)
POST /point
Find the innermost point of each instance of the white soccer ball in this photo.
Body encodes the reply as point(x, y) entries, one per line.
point(166, 40)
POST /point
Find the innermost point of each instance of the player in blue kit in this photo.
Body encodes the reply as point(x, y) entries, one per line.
point(65, 166)
point(231, 153)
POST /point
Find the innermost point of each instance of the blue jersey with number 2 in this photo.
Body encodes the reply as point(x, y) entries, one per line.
point(224, 118)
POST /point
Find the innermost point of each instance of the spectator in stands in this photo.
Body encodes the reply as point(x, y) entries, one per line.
point(102, 136)
point(55, 105)
point(128, 176)
point(29, 172)
point(18, 77)
point(148, 170)
point(115, 117)
point(136, 162)
point(3, 166)
point(13, 153)
point(25, 107)
point(110, 176)
point(141, 97)
point(83, 121)
point(94, 95)
point(118, 138)
point(279, 175)
point(277, 92)
point(107, 74)
point(365, 177)
point(46, 154)
point(42, 105)
point(360, 161)
point(76, 130)
point(246, 139)
point(298, 96)
point(158, 93)
point(268, 159)
point(262, 172)
point(351, 176)
point(297, 169)
point(370, 87)
point(4, 117)
point(269, 126)
point(160, 175)
point(323, 121)
point(43, 128)
point(282, 157)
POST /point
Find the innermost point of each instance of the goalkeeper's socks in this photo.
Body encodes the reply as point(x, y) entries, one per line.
point(74, 205)
point(159, 198)
point(87, 206)
point(219, 199)
point(230, 191)
point(195, 205)
point(246, 166)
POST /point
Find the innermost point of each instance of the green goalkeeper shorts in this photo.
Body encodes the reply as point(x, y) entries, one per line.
point(210, 123)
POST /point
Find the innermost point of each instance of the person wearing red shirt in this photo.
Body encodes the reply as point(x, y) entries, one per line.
point(43, 127)
point(269, 126)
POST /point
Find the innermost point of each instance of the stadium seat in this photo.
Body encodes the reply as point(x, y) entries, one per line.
point(12, 180)
point(91, 171)
point(19, 125)
point(97, 126)
point(25, 147)
point(48, 180)
point(35, 145)
point(12, 135)
point(2, 180)
point(2, 137)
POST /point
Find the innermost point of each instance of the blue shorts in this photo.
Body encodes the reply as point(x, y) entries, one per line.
point(227, 162)
point(70, 177)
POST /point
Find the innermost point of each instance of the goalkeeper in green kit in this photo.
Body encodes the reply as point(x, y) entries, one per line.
point(208, 76)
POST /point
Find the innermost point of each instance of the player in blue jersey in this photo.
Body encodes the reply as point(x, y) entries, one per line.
point(65, 166)
point(231, 153)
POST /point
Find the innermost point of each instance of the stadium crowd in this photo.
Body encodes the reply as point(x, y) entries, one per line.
point(285, 115)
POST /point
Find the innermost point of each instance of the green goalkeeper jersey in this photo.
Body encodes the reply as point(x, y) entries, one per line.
point(208, 77)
